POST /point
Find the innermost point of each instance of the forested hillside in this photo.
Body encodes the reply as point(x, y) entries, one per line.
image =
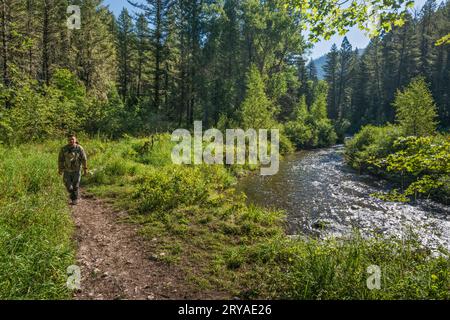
point(176, 62)
point(120, 75)
point(363, 87)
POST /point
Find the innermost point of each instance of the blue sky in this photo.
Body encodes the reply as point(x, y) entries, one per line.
point(356, 37)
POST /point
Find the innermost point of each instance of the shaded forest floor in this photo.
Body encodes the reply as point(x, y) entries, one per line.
point(117, 263)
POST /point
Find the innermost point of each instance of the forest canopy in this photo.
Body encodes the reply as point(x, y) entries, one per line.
point(174, 62)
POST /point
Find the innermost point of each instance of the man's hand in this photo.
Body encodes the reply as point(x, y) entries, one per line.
point(85, 172)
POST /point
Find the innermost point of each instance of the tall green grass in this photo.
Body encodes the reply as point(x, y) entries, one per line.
point(35, 225)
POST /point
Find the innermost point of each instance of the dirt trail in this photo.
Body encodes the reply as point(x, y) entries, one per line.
point(116, 263)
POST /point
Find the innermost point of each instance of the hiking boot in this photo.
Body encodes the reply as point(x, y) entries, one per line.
point(74, 202)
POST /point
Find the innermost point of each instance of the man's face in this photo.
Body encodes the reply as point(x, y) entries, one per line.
point(72, 141)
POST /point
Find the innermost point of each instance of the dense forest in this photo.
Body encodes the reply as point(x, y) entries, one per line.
point(363, 86)
point(120, 75)
point(178, 61)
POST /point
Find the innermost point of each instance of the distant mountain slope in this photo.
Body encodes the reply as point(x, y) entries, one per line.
point(320, 63)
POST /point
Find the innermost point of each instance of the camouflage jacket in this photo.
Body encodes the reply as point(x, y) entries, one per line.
point(72, 158)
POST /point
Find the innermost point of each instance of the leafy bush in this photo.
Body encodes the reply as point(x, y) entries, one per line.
point(416, 111)
point(311, 129)
point(169, 187)
point(371, 143)
point(326, 135)
point(424, 161)
point(155, 150)
point(299, 133)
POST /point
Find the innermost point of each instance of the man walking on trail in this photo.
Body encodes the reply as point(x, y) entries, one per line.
point(71, 158)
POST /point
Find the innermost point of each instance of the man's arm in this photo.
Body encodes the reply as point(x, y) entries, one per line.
point(61, 161)
point(83, 160)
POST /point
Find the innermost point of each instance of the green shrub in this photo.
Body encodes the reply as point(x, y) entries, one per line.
point(423, 163)
point(168, 187)
point(416, 111)
point(326, 136)
point(371, 143)
point(312, 129)
point(299, 133)
point(155, 150)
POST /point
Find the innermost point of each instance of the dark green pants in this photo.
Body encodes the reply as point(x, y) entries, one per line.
point(72, 183)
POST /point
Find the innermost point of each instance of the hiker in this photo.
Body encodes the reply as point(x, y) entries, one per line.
point(71, 158)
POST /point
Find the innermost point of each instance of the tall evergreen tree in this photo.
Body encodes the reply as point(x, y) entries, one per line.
point(126, 41)
point(331, 69)
point(344, 73)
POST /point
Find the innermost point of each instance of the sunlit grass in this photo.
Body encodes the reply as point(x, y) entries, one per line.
point(35, 226)
point(193, 219)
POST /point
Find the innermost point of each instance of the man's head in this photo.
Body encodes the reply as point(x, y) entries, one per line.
point(72, 140)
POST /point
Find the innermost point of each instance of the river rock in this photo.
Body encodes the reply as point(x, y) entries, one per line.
point(320, 224)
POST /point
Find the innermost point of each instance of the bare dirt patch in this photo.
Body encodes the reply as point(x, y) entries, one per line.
point(117, 263)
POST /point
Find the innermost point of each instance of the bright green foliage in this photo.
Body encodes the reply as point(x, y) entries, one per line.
point(415, 109)
point(445, 40)
point(371, 143)
point(325, 18)
point(420, 165)
point(297, 130)
point(160, 190)
point(257, 111)
point(425, 160)
point(319, 106)
point(36, 114)
point(312, 128)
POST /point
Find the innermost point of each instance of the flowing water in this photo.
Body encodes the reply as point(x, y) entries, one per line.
point(322, 195)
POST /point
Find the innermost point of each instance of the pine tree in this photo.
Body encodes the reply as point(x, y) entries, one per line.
point(441, 71)
point(374, 60)
point(415, 109)
point(10, 37)
point(93, 51)
point(126, 41)
point(360, 91)
point(312, 71)
point(257, 111)
point(49, 26)
point(428, 38)
point(331, 69)
point(142, 54)
point(302, 74)
point(319, 106)
point(345, 65)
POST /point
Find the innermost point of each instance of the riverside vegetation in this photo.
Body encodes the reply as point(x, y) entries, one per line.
point(411, 153)
point(198, 222)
